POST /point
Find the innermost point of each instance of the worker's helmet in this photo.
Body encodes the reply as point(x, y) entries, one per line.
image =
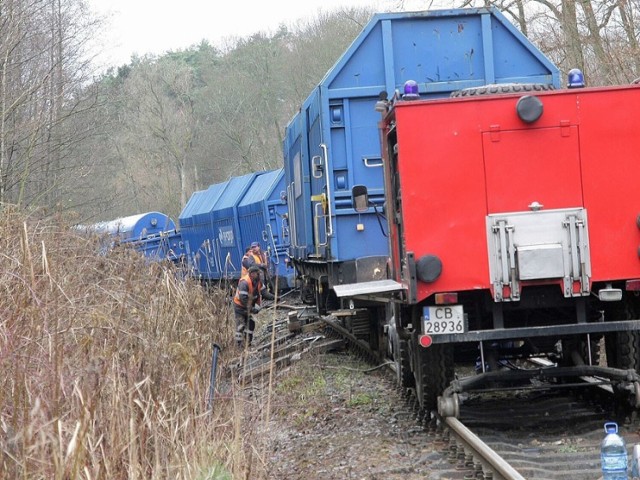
point(575, 78)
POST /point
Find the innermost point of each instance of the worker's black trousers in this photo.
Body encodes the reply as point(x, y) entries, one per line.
point(244, 326)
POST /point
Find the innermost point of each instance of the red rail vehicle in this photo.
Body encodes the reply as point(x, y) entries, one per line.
point(514, 232)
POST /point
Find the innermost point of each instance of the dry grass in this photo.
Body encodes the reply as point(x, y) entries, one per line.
point(105, 365)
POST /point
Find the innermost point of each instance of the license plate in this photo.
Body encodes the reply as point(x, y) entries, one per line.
point(443, 319)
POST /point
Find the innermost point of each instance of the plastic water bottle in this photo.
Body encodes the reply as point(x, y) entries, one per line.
point(635, 462)
point(613, 454)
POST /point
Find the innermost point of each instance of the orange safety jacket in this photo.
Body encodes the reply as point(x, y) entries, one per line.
point(256, 260)
point(236, 298)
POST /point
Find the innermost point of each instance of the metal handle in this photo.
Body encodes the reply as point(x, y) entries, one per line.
point(318, 214)
point(269, 231)
point(316, 166)
point(216, 256)
point(368, 162)
point(329, 209)
point(206, 250)
point(292, 215)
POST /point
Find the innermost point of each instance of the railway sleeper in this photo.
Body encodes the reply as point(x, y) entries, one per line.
point(625, 383)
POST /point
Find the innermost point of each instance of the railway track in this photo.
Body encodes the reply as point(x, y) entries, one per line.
point(544, 433)
point(552, 435)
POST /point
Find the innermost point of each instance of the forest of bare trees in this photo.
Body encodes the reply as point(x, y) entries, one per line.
point(145, 135)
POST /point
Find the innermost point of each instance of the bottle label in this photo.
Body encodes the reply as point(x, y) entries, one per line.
point(614, 462)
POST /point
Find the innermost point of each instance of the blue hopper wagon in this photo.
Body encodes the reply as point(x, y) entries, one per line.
point(263, 217)
point(218, 224)
point(147, 232)
point(163, 246)
point(197, 233)
point(134, 227)
point(333, 143)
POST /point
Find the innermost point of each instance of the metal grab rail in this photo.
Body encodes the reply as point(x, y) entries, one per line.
point(316, 216)
point(329, 209)
point(269, 232)
point(292, 215)
point(372, 162)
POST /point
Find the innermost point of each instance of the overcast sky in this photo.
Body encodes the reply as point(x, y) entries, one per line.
point(156, 26)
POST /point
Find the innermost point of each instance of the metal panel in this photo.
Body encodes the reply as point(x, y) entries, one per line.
point(164, 246)
point(538, 245)
point(367, 288)
point(200, 205)
point(525, 166)
point(536, 262)
point(262, 187)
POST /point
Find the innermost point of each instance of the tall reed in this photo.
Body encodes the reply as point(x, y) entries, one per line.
point(105, 362)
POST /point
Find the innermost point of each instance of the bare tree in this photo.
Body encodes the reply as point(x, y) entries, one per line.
point(161, 126)
point(43, 65)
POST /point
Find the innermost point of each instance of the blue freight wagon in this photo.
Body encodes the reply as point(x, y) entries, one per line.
point(263, 217)
point(133, 227)
point(163, 246)
point(210, 230)
point(333, 143)
point(226, 229)
point(143, 231)
point(201, 257)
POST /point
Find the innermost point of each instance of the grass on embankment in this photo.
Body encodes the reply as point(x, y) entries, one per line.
point(105, 363)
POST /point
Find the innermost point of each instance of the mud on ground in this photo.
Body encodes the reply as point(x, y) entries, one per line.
point(334, 419)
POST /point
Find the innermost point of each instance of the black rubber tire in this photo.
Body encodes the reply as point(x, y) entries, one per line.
point(308, 294)
point(623, 348)
point(502, 88)
point(581, 346)
point(433, 373)
point(404, 375)
point(595, 349)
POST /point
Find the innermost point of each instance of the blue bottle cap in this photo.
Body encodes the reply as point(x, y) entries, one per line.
point(611, 427)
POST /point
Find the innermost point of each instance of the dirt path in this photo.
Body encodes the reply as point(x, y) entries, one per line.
point(334, 421)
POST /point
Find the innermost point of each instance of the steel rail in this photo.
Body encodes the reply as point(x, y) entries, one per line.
point(483, 452)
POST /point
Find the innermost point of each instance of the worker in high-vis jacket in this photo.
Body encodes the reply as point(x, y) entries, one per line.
point(247, 301)
point(254, 256)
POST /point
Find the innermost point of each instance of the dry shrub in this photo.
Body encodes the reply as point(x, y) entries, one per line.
point(105, 363)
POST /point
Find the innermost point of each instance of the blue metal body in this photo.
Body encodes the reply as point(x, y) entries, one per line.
point(211, 231)
point(226, 228)
point(163, 246)
point(134, 227)
point(152, 233)
point(197, 232)
point(333, 142)
point(218, 224)
point(263, 217)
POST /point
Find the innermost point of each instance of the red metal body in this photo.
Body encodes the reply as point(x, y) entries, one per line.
point(451, 163)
